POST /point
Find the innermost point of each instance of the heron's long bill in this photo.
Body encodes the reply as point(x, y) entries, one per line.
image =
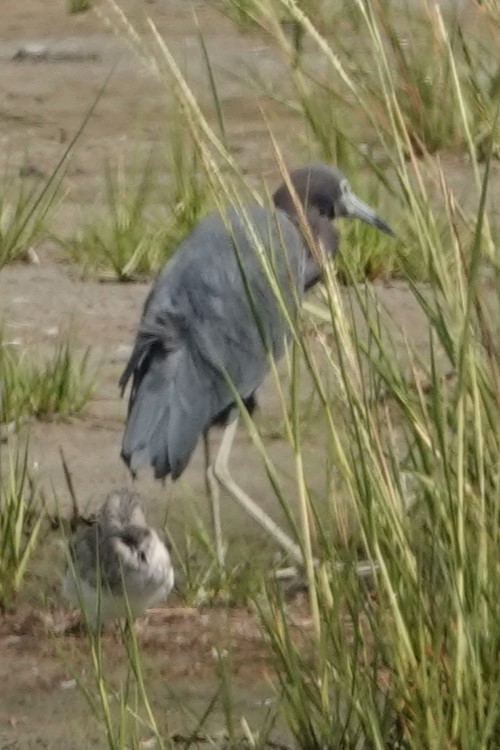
point(355, 207)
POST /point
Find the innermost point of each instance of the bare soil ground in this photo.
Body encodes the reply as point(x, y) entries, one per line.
point(181, 648)
point(42, 103)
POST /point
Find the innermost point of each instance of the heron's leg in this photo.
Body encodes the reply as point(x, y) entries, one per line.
point(214, 494)
point(221, 472)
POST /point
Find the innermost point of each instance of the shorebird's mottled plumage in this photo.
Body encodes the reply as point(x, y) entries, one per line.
point(117, 558)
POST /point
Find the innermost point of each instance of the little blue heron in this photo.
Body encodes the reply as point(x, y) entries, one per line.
point(212, 320)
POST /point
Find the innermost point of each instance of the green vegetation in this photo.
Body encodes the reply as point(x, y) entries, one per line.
point(137, 233)
point(126, 242)
point(20, 521)
point(200, 577)
point(59, 386)
point(24, 212)
point(409, 658)
point(421, 61)
point(440, 72)
point(79, 6)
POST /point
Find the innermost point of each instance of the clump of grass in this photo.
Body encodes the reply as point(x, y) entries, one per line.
point(137, 234)
point(24, 210)
point(188, 192)
point(413, 662)
point(421, 69)
point(125, 243)
point(79, 6)
point(483, 74)
point(364, 255)
point(60, 386)
point(20, 521)
point(423, 64)
point(421, 73)
point(410, 659)
point(203, 582)
point(390, 665)
point(23, 216)
point(122, 711)
point(409, 664)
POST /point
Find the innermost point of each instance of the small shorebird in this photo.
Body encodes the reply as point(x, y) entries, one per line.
point(115, 560)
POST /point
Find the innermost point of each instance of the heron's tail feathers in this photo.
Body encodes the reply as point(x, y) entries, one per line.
point(166, 411)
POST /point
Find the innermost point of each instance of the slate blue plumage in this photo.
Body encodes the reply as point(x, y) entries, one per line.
point(200, 328)
point(212, 318)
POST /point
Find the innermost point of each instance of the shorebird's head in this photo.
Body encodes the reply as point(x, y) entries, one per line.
point(134, 546)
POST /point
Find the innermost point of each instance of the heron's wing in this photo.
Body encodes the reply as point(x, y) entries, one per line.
point(209, 326)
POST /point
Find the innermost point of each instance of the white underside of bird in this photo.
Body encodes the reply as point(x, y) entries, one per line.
point(101, 605)
point(118, 564)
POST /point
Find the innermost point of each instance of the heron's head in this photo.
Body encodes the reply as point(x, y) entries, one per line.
point(327, 192)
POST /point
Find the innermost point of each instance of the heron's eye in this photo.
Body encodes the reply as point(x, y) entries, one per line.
point(142, 556)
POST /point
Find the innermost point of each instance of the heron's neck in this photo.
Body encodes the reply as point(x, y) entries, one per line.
point(326, 241)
